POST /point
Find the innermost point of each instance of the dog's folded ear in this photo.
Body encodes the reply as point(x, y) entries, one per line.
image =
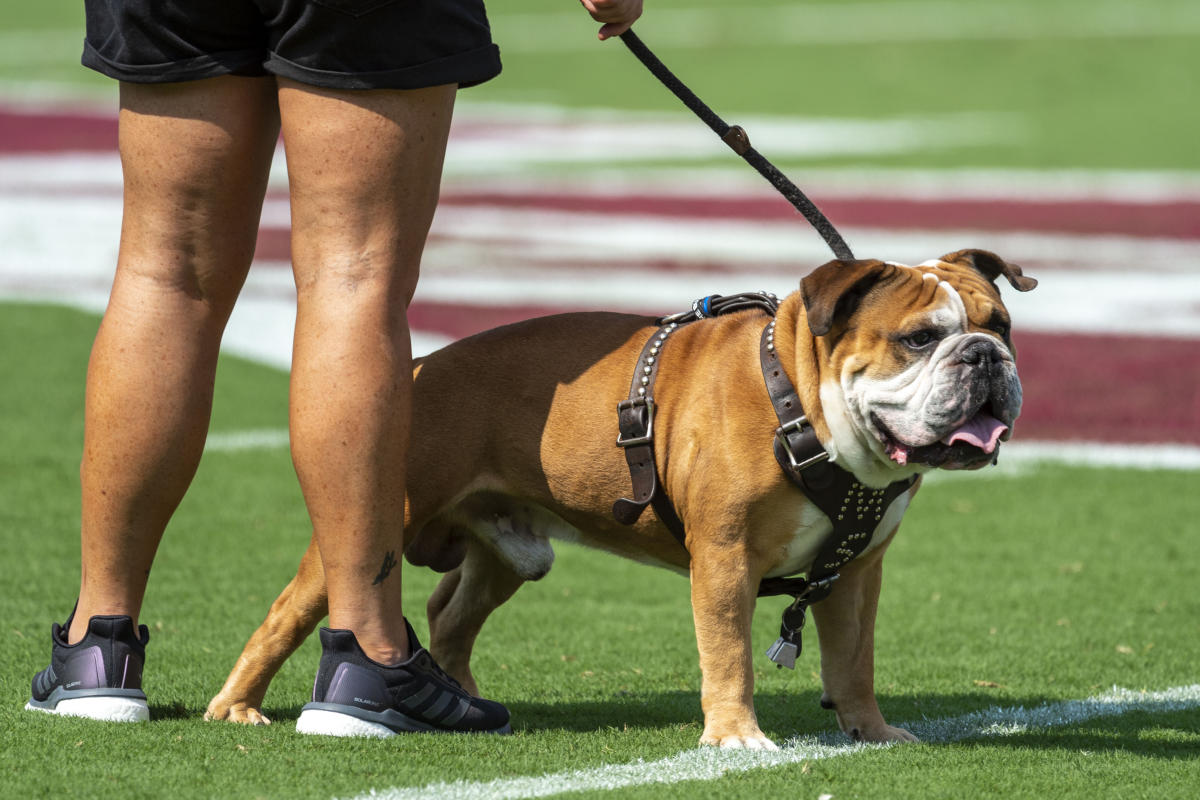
point(992, 266)
point(835, 289)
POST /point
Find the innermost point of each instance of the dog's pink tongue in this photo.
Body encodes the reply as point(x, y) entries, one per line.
point(981, 430)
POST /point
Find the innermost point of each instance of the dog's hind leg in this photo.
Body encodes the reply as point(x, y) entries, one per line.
point(291, 619)
point(461, 604)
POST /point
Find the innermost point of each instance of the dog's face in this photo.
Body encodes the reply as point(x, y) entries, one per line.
point(920, 368)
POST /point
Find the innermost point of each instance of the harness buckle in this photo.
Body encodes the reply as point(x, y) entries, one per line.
point(821, 588)
point(798, 425)
point(648, 436)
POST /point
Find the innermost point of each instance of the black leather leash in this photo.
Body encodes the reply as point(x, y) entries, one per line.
point(854, 510)
point(737, 139)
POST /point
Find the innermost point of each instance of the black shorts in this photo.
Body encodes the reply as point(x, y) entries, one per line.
point(338, 44)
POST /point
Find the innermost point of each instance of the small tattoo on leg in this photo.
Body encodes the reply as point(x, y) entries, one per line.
point(389, 562)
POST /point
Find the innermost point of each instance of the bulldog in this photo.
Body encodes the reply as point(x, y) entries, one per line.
point(899, 369)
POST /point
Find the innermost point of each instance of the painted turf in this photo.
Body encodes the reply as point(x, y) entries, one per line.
point(707, 764)
point(1173, 252)
point(1106, 355)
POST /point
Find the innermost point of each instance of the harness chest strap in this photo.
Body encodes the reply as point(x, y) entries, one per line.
point(853, 509)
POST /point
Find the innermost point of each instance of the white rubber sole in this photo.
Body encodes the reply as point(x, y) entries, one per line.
point(105, 709)
point(319, 722)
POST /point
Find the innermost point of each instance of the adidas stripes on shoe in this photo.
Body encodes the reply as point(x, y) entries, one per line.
point(355, 696)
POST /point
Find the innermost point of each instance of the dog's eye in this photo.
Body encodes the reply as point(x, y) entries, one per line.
point(999, 325)
point(920, 340)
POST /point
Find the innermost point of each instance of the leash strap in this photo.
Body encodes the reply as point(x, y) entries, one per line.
point(739, 142)
point(715, 305)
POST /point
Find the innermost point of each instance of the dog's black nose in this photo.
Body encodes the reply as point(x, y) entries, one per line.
point(978, 351)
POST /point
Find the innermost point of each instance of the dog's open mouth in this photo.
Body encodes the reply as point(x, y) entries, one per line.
point(969, 446)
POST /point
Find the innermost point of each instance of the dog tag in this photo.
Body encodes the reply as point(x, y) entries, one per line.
point(789, 643)
point(784, 653)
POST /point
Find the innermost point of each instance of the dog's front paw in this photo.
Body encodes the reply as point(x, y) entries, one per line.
point(242, 713)
point(881, 734)
point(749, 739)
point(891, 734)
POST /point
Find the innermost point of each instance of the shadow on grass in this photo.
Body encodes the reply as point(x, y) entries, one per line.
point(783, 715)
point(1170, 735)
point(175, 711)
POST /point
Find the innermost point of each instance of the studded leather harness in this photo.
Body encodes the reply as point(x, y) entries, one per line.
point(853, 509)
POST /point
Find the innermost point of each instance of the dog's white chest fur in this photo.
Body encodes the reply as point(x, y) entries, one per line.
point(814, 526)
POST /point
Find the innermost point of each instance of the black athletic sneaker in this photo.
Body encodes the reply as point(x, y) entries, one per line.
point(355, 696)
point(99, 677)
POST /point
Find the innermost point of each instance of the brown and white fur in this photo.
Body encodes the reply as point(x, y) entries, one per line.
point(896, 366)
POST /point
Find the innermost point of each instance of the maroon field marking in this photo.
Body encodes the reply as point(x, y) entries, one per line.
point(58, 132)
point(38, 132)
point(1109, 388)
point(1175, 219)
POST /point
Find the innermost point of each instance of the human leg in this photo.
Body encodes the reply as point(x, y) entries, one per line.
point(364, 170)
point(195, 158)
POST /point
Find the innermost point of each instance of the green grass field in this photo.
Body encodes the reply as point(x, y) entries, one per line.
point(1049, 585)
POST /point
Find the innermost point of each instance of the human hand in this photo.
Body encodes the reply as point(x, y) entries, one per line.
point(617, 15)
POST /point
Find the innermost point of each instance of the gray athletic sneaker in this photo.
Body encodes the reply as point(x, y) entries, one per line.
point(99, 677)
point(355, 696)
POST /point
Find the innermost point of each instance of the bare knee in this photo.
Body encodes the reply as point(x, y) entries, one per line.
point(195, 159)
point(364, 175)
point(356, 277)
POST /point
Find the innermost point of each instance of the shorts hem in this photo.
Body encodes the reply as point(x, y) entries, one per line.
point(469, 68)
point(207, 66)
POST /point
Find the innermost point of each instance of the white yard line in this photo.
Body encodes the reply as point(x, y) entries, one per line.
point(555, 259)
point(495, 258)
point(707, 764)
point(1020, 457)
point(511, 138)
point(513, 143)
point(250, 439)
point(37, 174)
